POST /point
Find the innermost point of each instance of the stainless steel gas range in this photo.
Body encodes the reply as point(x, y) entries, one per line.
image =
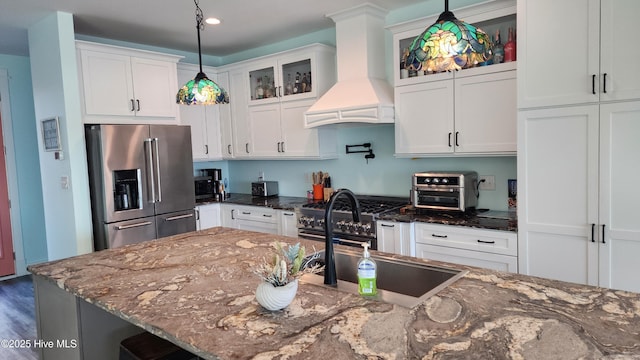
point(345, 231)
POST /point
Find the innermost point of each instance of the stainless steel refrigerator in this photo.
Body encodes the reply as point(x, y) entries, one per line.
point(141, 182)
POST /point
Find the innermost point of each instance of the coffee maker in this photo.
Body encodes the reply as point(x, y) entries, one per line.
point(218, 187)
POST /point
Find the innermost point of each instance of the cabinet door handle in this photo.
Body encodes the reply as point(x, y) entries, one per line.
point(232, 210)
point(385, 225)
point(206, 149)
point(229, 149)
point(138, 103)
point(282, 147)
point(486, 242)
point(604, 84)
point(246, 147)
point(593, 84)
point(197, 214)
point(593, 230)
point(449, 139)
point(133, 105)
point(440, 236)
point(457, 133)
point(280, 91)
point(603, 234)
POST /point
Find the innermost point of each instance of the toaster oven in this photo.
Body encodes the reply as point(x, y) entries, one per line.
point(457, 191)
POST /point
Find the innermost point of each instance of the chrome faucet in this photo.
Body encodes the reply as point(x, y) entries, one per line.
point(330, 277)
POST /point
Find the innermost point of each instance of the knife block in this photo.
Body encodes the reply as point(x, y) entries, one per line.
point(327, 193)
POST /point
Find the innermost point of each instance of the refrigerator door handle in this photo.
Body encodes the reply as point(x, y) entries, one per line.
point(148, 149)
point(157, 164)
point(124, 227)
point(178, 217)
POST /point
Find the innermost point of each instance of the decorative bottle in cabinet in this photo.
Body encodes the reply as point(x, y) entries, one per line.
point(296, 86)
point(304, 82)
point(498, 49)
point(288, 89)
point(510, 47)
point(259, 89)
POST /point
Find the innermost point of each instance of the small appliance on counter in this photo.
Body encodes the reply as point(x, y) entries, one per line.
point(454, 190)
point(264, 188)
point(209, 186)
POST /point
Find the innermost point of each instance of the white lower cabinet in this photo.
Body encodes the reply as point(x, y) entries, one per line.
point(395, 237)
point(260, 219)
point(288, 223)
point(491, 249)
point(577, 173)
point(207, 216)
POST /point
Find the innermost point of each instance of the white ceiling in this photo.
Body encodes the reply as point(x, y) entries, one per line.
point(171, 24)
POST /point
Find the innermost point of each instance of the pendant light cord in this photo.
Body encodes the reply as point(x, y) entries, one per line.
point(199, 27)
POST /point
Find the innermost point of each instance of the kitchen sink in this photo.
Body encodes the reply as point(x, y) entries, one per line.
point(399, 282)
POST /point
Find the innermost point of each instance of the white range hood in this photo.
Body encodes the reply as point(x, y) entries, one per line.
point(361, 94)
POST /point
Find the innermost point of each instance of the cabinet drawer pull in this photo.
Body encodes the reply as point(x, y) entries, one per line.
point(246, 213)
point(287, 214)
point(385, 225)
point(440, 236)
point(486, 242)
point(266, 215)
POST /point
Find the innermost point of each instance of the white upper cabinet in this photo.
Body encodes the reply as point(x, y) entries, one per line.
point(268, 114)
point(120, 84)
point(582, 58)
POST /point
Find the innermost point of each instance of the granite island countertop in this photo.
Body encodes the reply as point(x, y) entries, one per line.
point(197, 290)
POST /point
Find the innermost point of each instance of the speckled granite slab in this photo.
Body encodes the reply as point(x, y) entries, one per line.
point(197, 291)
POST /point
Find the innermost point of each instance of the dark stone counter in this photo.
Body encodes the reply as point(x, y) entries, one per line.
point(275, 202)
point(493, 220)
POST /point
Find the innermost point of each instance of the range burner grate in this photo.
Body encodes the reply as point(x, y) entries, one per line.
point(367, 206)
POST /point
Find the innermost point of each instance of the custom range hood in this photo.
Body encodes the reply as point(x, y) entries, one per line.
point(361, 94)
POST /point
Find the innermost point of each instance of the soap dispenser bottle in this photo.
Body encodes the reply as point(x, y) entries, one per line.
point(367, 272)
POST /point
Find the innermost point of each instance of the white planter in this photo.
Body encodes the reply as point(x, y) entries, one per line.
point(276, 297)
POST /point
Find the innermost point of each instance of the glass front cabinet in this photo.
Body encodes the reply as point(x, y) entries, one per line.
point(296, 75)
point(494, 18)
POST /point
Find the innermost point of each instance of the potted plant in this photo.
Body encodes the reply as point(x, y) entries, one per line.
point(280, 274)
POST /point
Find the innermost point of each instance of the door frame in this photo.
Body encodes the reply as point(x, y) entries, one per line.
point(12, 179)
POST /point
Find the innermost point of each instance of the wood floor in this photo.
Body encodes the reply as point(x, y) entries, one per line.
point(17, 319)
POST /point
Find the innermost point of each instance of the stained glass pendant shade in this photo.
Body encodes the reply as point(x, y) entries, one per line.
point(201, 90)
point(449, 44)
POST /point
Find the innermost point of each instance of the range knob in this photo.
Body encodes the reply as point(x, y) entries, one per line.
point(365, 228)
point(320, 222)
point(436, 180)
point(342, 225)
point(445, 180)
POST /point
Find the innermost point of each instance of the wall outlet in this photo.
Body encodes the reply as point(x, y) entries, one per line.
point(261, 176)
point(489, 182)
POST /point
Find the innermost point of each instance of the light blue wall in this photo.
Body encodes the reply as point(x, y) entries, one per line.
point(26, 153)
point(384, 175)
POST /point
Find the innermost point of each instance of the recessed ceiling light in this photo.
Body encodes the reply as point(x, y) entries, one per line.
point(212, 21)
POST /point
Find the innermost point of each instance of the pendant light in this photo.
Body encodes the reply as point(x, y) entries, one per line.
point(201, 90)
point(449, 44)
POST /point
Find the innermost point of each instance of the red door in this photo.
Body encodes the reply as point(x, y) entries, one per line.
point(7, 263)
